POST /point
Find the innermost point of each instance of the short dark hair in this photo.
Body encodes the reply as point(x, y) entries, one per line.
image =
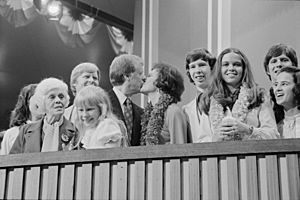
point(295, 72)
point(169, 81)
point(277, 50)
point(122, 66)
point(197, 54)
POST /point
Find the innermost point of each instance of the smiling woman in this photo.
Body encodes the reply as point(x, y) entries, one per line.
point(287, 94)
point(234, 94)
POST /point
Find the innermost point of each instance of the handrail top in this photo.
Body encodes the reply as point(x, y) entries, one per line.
point(154, 152)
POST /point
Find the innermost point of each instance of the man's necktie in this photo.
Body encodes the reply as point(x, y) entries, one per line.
point(128, 117)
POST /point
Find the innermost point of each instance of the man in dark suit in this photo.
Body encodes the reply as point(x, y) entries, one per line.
point(126, 75)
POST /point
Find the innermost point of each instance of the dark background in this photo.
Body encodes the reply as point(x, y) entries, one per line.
point(33, 52)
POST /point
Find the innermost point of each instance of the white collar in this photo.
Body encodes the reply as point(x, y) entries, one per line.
point(121, 97)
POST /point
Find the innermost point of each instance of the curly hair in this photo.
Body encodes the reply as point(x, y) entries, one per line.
point(44, 87)
point(277, 50)
point(197, 54)
point(21, 112)
point(169, 81)
point(219, 89)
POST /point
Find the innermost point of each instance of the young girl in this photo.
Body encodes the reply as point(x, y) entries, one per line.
point(234, 91)
point(99, 128)
point(287, 94)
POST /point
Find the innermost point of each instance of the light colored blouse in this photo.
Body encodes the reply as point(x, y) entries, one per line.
point(260, 118)
point(199, 124)
point(175, 126)
point(9, 138)
point(107, 134)
point(290, 126)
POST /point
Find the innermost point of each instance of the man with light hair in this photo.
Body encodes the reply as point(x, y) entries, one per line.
point(82, 75)
point(126, 75)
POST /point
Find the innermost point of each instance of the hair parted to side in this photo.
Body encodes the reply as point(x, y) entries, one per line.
point(295, 72)
point(21, 112)
point(219, 87)
point(169, 81)
point(44, 87)
point(123, 65)
point(197, 54)
point(81, 68)
point(277, 50)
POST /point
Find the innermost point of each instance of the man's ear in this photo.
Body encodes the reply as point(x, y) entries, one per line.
point(126, 77)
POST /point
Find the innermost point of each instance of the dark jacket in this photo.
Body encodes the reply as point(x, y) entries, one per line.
point(137, 114)
point(30, 136)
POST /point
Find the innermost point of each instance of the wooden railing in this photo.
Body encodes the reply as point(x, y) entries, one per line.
point(267, 169)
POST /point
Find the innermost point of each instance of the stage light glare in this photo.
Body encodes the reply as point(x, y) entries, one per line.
point(54, 8)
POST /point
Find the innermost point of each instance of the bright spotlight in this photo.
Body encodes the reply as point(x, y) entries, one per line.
point(54, 9)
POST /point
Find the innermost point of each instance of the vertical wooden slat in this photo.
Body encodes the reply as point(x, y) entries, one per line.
point(269, 186)
point(233, 183)
point(155, 180)
point(293, 176)
point(32, 183)
point(84, 182)
point(101, 181)
point(119, 181)
point(210, 181)
point(283, 177)
point(66, 182)
point(137, 180)
point(229, 179)
point(248, 178)
point(272, 175)
point(191, 179)
point(263, 188)
point(15, 185)
point(172, 180)
point(49, 182)
point(2, 183)
point(223, 179)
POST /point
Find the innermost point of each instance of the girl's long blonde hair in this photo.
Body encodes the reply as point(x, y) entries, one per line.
point(93, 96)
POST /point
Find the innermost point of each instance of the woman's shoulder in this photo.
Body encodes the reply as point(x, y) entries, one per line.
point(12, 130)
point(31, 126)
point(189, 105)
point(109, 123)
point(174, 109)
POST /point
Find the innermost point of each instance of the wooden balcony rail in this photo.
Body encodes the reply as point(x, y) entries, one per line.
point(250, 170)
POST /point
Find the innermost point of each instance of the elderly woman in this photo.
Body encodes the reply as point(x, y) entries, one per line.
point(53, 132)
point(102, 129)
point(163, 121)
point(82, 75)
point(237, 108)
point(24, 113)
point(287, 94)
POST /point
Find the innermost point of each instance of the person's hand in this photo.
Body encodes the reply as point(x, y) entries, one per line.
point(232, 128)
point(103, 112)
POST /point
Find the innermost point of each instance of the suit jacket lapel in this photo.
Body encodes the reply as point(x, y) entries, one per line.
point(117, 110)
point(33, 137)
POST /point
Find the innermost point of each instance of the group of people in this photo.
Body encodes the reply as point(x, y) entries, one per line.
point(229, 105)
